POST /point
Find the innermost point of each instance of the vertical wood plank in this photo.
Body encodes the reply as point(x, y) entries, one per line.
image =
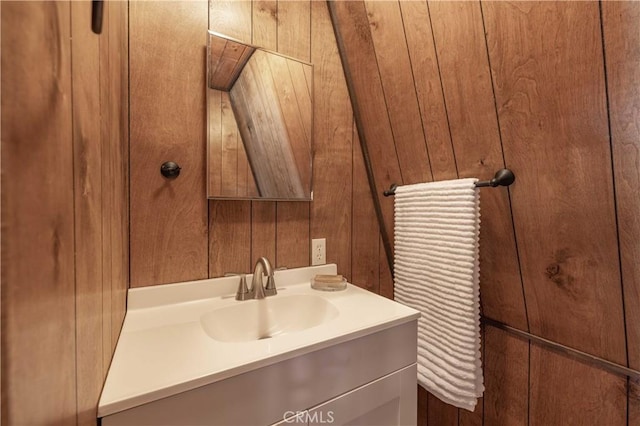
point(441, 414)
point(426, 76)
point(460, 46)
point(423, 406)
point(332, 132)
point(230, 222)
point(104, 145)
point(545, 108)
point(230, 237)
point(214, 142)
point(168, 218)
point(565, 391)
point(506, 378)
point(265, 23)
point(264, 30)
point(118, 104)
point(89, 213)
point(38, 306)
point(634, 402)
point(231, 18)
point(293, 230)
point(396, 74)
point(365, 231)
point(294, 28)
point(386, 278)
point(622, 52)
point(230, 142)
point(363, 78)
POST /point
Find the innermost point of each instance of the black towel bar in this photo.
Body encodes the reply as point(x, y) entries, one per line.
point(503, 177)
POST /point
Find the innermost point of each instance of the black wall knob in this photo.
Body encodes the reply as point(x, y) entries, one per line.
point(170, 170)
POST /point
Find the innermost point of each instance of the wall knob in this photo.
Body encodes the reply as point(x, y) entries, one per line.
point(170, 170)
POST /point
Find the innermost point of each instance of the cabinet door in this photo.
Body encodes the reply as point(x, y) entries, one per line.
point(390, 400)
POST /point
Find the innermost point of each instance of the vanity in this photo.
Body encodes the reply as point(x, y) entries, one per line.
point(190, 353)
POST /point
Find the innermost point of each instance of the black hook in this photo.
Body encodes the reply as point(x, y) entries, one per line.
point(97, 7)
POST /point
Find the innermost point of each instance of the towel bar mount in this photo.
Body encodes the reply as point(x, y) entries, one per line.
point(503, 177)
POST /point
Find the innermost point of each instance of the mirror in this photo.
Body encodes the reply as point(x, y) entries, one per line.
point(259, 123)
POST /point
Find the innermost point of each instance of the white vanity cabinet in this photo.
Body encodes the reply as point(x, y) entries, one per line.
point(366, 381)
point(190, 354)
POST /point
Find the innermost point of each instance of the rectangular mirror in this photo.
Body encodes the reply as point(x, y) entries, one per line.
point(259, 123)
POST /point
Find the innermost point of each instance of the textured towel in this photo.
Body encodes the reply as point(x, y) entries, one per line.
point(436, 272)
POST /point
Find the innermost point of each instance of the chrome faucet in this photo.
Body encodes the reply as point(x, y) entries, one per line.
point(258, 290)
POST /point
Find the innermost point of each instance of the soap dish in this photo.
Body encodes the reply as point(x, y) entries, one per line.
point(328, 282)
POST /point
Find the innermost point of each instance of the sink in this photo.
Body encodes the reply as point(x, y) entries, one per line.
point(267, 318)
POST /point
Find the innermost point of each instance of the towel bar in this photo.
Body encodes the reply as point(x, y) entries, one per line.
point(503, 177)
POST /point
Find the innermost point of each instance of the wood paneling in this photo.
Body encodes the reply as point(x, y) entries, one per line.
point(334, 177)
point(358, 59)
point(441, 414)
point(634, 402)
point(67, 155)
point(271, 123)
point(506, 378)
point(469, 100)
point(365, 264)
point(38, 324)
point(622, 52)
point(522, 85)
point(428, 87)
point(87, 130)
point(169, 233)
point(564, 391)
point(281, 231)
point(387, 35)
point(546, 106)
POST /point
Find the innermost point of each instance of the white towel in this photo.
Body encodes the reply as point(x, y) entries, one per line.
point(437, 226)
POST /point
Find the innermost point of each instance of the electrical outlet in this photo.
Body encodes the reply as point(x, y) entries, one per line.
point(318, 251)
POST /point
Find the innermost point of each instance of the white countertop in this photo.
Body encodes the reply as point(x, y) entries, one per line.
point(163, 349)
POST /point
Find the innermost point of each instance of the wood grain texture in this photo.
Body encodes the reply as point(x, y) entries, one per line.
point(294, 29)
point(118, 104)
point(38, 295)
point(588, 395)
point(293, 229)
point(230, 222)
point(546, 106)
point(460, 45)
point(423, 406)
point(263, 231)
point(622, 52)
point(225, 16)
point(171, 243)
point(265, 24)
point(89, 214)
point(365, 231)
point(428, 88)
point(271, 125)
point(634, 402)
point(229, 237)
point(441, 414)
point(396, 75)
point(363, 79)
point(506, 378)
point(331, 209)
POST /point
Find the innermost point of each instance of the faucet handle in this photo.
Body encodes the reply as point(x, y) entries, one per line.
point(243, 292)
point(270, 289)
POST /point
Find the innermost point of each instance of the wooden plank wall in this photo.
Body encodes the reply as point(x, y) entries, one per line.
point(175, 233)
point(550, 90)
point(64, 199)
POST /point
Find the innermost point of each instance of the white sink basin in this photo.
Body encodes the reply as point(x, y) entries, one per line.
point(266, 318)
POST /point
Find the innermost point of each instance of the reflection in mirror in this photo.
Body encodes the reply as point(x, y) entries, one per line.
point(259, 115)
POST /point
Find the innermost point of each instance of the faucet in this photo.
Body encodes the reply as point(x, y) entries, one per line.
point(258, 289)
